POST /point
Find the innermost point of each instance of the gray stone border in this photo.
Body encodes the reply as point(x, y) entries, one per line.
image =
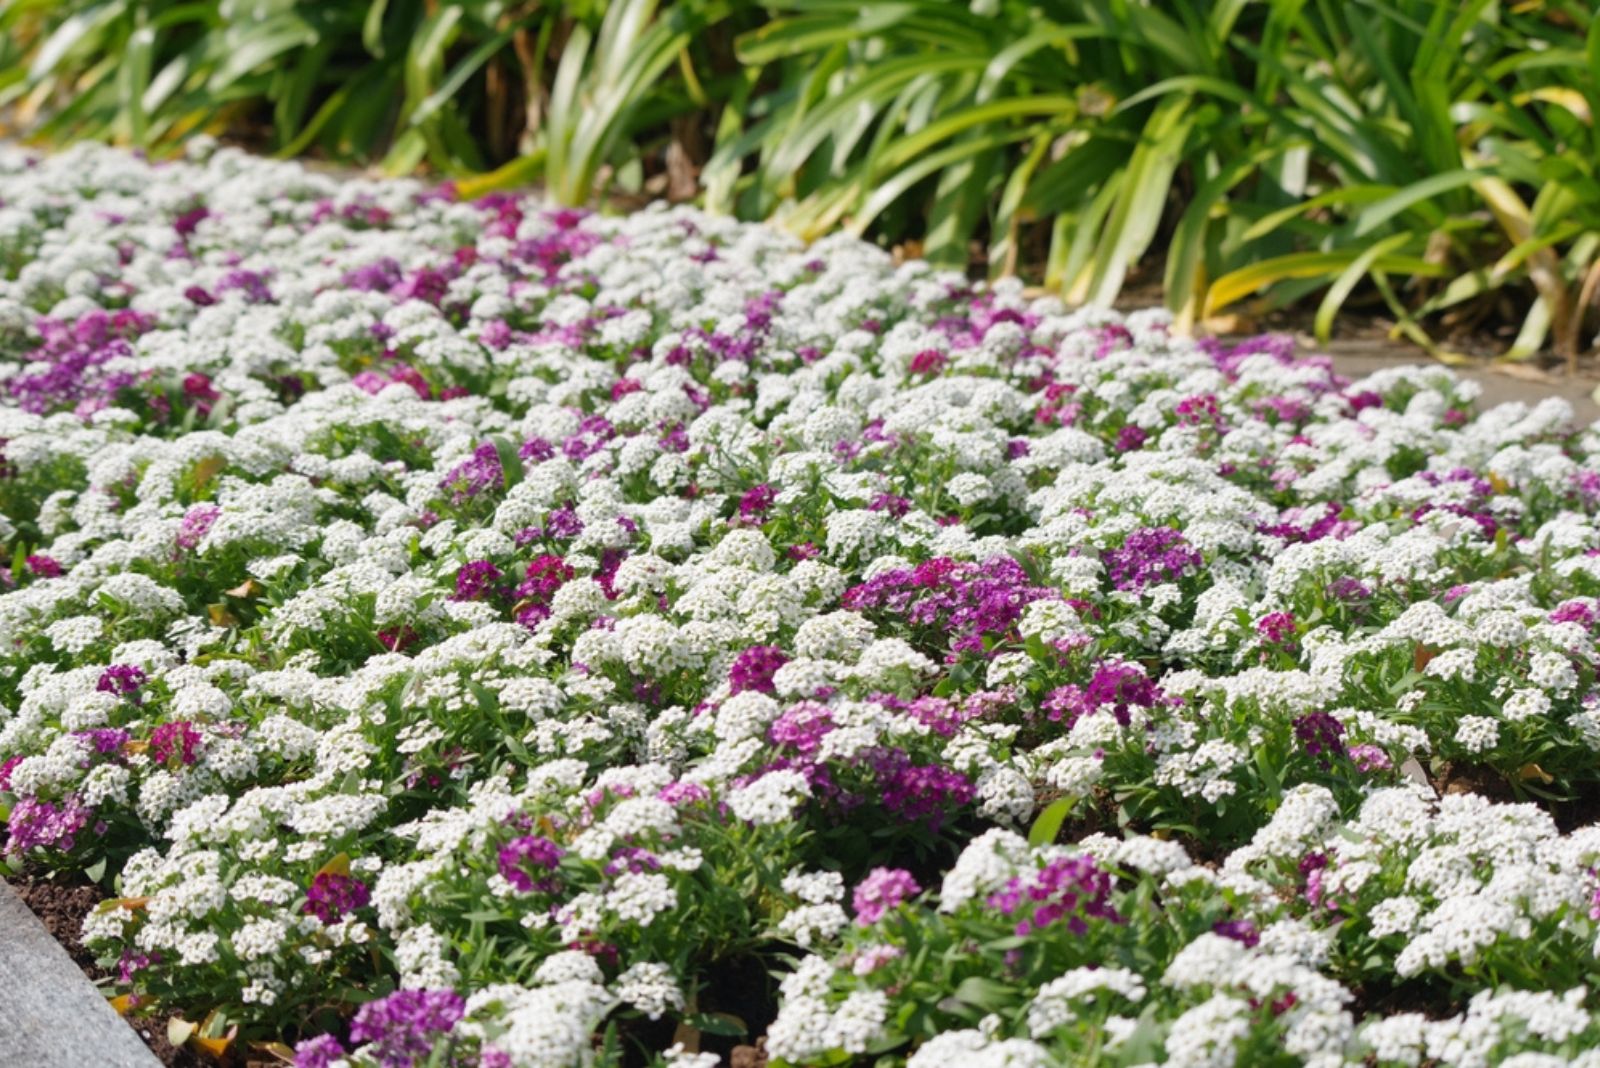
point(51, 1015)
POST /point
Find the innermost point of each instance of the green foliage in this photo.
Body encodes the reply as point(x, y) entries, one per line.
point(1438, 158)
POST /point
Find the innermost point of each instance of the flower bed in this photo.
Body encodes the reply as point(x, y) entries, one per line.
point(508, 637)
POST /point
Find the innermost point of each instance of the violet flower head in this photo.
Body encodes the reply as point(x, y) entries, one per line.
point(894, 504)
point(131, 964)
point(1320, 736)
point(1277, 628)
point(563, 523)
point(1574, 612)
point(1370, 758)
point(196, 524)
point(545, 575)
point(1151, 555)
point(1068, 889)
point(471, 477)
point(7, 766)
point(883, 889)
point(1116, 685)
point(178, 738)
point(1242, 931)
point(977, 605)
point(801, 728)
point(683, 793)
point(1130, 438)
point(403, 1029)
point(921, 792)
point(1200, 411)
point(756, 502)
point(1348, 590)
point(104, 741)
point(332, 895)
point(35, 823)
point(319, 1052)
point(474, 579)
point(123, 680)
point(517, 856)
point(755, 668)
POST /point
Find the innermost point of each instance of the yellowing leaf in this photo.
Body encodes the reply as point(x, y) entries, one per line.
point(278, 1050)
point(215, 1048)
point(247, 588)
point(520, 171)
point(132, 904)
point(339, 865)
point(1532, 772)
point(220, 616)
point(122, 1003)
point(1570, 99)
point(179, 1030)
point(208, 469)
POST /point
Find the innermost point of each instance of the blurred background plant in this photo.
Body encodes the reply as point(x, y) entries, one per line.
point(1434, 164)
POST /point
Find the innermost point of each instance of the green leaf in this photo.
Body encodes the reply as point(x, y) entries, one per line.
point(1358, 268)
point(265, 44)
point(133, 82)
point(510, 459)
point(987, 994)
point(1382, 211)
point(1142, 196)
point(465, 69)
point(1048, 823)
point(74, 32)
point(372, 27)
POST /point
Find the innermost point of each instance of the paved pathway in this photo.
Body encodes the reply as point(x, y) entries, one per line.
point(1514, 382)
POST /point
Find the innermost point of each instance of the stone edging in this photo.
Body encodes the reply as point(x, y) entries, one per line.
point(51, 1015)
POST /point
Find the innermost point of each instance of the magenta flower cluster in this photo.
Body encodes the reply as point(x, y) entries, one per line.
point(1151, 555)
point(1071, 890)
point(882, 890)
point(977, 604)
point(332, 895)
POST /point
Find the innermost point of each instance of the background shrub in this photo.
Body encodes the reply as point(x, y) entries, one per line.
point(1437, 161)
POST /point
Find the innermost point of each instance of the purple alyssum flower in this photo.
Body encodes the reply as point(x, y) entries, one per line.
point(333, 894)
point(1320, 734)
point(402, 1030)
point(178, 738)
point(319, 1052)
point(883, 889)
point(754, 669)
point(124, 680)
point(528, 851)
point(1069, 889)
point(1151, 555)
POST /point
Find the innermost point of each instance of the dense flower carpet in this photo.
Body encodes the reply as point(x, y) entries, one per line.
point(466, 633)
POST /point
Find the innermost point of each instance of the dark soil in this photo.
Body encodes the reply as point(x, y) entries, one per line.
point(61, 907)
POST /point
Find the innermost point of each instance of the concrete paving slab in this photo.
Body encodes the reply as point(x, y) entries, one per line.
point(51, 1015)
point(1506, 382)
